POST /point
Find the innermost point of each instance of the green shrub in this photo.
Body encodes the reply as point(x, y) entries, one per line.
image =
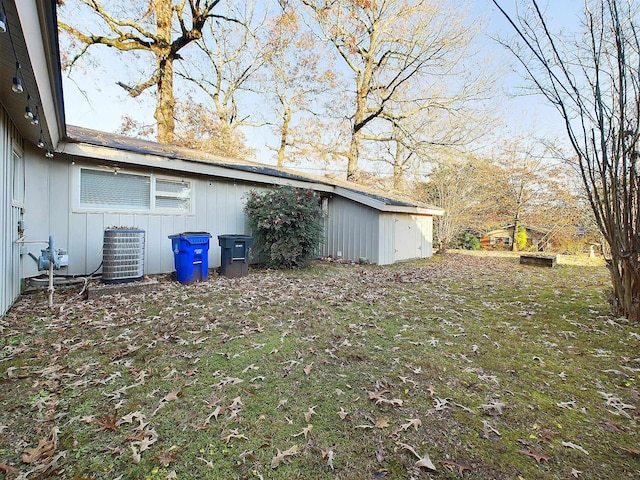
point(468, 240)
point(287, 225)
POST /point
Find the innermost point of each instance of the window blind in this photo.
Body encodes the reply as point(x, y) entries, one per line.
point(107, 189)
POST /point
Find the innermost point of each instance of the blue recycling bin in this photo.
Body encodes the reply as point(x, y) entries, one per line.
point(191, 256)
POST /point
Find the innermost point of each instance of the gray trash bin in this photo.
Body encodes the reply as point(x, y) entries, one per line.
point(234, 255)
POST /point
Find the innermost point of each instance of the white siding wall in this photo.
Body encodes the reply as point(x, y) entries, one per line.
point(405, 237)
point(10, 212)
point(53, 193)
point(387, 238)
point(52, 208)
point(352, 229)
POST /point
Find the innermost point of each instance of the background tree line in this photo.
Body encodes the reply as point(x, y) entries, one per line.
point(341, 83)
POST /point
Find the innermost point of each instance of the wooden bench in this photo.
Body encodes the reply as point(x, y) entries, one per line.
point(539, 260)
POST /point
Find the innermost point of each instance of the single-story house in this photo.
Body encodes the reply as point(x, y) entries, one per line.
point(503, 237)
point(70, 183)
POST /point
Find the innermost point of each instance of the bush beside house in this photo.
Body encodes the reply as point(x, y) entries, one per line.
point(286, 224)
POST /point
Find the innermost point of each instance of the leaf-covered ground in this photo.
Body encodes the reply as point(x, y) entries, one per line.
point(454, 367)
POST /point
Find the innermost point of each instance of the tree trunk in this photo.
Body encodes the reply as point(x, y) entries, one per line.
point(514, 245)
point(352, 167)
point(398, 163)
point(625, 278)
point(363, 81)
point(164, 63)
point(166, 102)
point(284, 132)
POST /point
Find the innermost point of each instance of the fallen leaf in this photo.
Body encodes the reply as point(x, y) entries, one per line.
point(130, 417)
point(440, 404)
point(411, 422)
point(165, 458)
point(45, 449)
point(423, 461)
point(545, 435)
point(108, 422)
point(609, 427)
point(382, 422)
point(283, 456)
point(575, 447)
point(208, 463)
point(307, 369)
point(539, 456)
point(379, 451)
point(305, 431)
point(46, 468)
point(308, 413)
point(493, 408)
point(234, 434)
point(576, 473)
point(461, 467)
point(8, 469)
point(488, 432)
point(328, 455)
point(631, 450)
point(135, 455)
point(174, 395)
point(146, 439)
point(247, 454)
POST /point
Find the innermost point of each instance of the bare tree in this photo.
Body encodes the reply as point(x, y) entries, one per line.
point(299, 76)
point(225, 64)
point(425, 124)
point(459, 186)
point(386, 44)
point(163, 29)
point(523, 181)
point(595, 86)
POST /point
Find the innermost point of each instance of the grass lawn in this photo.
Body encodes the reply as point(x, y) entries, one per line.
point(455, 367)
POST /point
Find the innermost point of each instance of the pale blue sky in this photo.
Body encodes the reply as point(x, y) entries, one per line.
point(103, 103)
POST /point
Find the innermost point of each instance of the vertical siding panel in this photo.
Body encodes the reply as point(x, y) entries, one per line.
point(6, 251)
point(166, 254)
point(58, 202)
point(79, 260)
point(142, 222)
point(350, 229)
point(384, 242)
point(10, 263)
point(95, 225)
point(38, 210)
point(154, 242)
point(125, 220)
point(5, 209)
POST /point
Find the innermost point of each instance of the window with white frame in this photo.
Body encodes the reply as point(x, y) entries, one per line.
point(172, 195)
point(17, 192)
point(117, 190)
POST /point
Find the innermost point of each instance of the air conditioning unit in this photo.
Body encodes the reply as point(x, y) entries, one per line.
point(122, 255)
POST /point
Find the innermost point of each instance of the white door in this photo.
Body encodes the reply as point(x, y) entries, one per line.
point(407, 238)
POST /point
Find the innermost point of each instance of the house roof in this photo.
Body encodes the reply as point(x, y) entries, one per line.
point(510, 227)
point(31, 40)
point(119, 150)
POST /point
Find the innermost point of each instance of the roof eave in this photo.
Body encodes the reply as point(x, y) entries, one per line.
point(119, 158)
point(385, 207)
point(38, 18)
